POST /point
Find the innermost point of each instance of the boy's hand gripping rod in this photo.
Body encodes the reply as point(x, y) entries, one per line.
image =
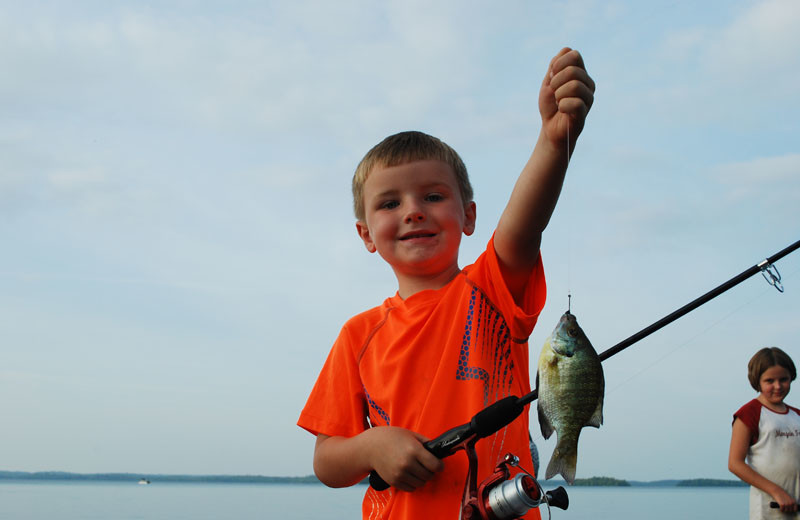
point(484, 423)
point(494, 417)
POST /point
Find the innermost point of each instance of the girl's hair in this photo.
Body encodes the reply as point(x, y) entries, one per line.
point(765, 358)
point(403, 148)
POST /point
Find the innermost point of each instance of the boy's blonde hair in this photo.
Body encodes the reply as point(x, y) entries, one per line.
point(765, 358)
point(402, 148)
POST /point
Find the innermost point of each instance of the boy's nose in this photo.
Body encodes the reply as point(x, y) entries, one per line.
point(414, 214)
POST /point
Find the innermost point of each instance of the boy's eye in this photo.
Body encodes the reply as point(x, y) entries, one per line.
point(389, 204)
point(434, 197)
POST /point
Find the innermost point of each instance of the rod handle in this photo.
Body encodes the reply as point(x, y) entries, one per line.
point(774, 505)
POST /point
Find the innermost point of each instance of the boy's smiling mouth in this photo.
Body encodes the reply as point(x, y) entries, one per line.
point(417, 234)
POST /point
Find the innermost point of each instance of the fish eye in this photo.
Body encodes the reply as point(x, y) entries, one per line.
point(572, 331)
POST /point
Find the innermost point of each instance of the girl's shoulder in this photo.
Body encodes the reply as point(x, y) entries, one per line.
point(751, 407)
point(750, 414)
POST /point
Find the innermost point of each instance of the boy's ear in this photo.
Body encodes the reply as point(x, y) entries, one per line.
point(470, 215)
point(363, 233)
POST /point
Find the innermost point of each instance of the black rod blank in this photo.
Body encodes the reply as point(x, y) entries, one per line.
point(666, 320)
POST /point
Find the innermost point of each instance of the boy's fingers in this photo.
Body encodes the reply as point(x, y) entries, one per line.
point(426, 458)
point(572, 76)
point(574, 107)
point(423, 473)
point(563, 52)
point(414, 477)
point(411, 482)
point(555, 66)
point(402, 485)
point(565, 58)
point(568, 95)
point(421, 438)
point(433, 463)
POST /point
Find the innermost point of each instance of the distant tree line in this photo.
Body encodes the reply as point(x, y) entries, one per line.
point(710, 482)
point(601, 481)
point(135, 477)
point(311, 479)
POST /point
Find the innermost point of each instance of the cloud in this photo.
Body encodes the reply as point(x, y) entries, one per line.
point(771, 173)
point(762, 39)
point(707, 67)
point(73, 179)
point(176, 180)
point(775, 181)
point(754, 38)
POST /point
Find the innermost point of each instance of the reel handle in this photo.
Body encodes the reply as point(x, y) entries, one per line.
point(558, 498)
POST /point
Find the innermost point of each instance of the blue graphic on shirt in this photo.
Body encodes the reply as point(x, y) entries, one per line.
point(378, 410)
point(486, 324)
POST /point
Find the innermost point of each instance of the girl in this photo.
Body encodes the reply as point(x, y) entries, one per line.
point(765, 443)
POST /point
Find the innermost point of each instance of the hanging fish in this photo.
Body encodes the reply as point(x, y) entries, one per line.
point(570, 382)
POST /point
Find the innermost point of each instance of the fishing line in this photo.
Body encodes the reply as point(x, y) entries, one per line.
point(621, 384)
point(693, 338)
point(666, 320)
point(569, 20)
point(570, 215)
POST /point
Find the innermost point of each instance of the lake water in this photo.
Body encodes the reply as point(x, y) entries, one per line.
point(48, 500)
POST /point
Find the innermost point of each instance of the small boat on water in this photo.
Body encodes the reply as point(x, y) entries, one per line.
point(144, 481)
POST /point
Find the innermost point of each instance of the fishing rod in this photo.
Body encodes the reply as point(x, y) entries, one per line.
point(765, 267)
point(494, 417)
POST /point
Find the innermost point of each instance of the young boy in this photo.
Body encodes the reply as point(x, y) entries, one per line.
point(451, 341)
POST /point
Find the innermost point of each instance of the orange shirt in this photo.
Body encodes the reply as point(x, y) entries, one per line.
point(429, 363)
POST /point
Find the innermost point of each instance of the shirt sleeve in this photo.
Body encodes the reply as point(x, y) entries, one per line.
point(521, 318)
point(750, 414)
point(337, 405)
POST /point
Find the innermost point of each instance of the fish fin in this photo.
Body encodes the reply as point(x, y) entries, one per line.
point(544, 423)
point(597, 417)
point(563, 462)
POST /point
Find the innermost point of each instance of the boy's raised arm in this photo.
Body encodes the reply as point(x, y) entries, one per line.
point(565, 97)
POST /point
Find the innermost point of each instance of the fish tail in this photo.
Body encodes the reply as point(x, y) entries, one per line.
point(563, 461)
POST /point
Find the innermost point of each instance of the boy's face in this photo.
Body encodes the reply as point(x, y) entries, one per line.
point(775, 383)
point(415, 217)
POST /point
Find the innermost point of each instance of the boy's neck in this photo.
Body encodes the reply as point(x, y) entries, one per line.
point(409, 285)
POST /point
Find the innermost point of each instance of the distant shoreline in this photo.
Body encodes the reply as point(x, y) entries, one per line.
point(311, 479)
point(136, 477)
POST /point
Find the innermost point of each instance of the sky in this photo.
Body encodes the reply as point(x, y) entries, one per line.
point(179, 250)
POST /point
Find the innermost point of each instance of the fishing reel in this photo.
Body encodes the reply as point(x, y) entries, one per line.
point(498, 497)
point(503, 497)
